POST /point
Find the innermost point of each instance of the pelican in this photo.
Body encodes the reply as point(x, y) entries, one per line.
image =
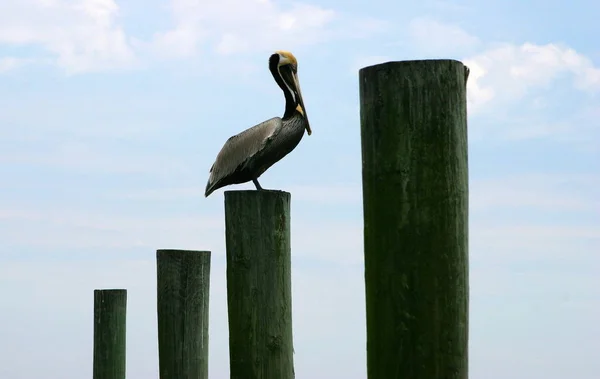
point(246, 156)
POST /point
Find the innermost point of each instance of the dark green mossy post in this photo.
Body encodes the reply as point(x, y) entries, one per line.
point(110, 313)
point(183, 282)
point(415, 203)
point(259, 295)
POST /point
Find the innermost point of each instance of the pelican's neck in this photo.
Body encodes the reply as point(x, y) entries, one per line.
point(290, 100)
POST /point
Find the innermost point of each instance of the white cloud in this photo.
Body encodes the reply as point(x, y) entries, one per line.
point(509, 72)
point(51, 317)
point(540, 203)
point(332, 194)
point(164, 194)
point(11, 63)
point(87, 35)
point(495, 250)
point(366, 61)
point(558, 193)
point(267, 26)
point(547, 218)
point(182, 42)
point(326, 194)
point(255, 25)
point(520, 79)
point(339, 242)
point(83, 36)
point(544, 91)
point(425, 36)
point(78, 156)
point(448, 6)
point(87, 227)
point(434, 37)
point(504, 74)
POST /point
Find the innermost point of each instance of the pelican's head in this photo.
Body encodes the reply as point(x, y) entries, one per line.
point(285, 65)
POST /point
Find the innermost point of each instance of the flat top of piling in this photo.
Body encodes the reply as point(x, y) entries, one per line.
point(184, 251)
point(110, 290)
point(256, 191)
point(412, 62)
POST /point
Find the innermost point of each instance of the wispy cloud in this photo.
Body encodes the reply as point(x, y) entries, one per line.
point(330, 194)
point(509, 72)
point(256, 25)
point(90, 36)
point(12, 63)
point(70, 285)
point(83, 36)
point(99, 169)
point(536, 192)
point(366, 61)
point(80, 157)
point(523, 78)
point(85, 228)
point(333, 194)
point(440, 39)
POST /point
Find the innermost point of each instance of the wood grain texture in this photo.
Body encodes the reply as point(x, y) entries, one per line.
point(259, 296)
point(110, 312)
point(415, 204)
point(183, 283)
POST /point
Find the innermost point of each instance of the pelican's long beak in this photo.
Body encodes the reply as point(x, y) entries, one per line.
point(301, 102)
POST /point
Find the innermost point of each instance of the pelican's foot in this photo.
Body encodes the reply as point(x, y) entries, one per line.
point(257, 184)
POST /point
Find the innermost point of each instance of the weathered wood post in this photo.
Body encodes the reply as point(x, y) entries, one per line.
point(183, 282)
point(415, 203)
point(259, 296)
point(110, 313)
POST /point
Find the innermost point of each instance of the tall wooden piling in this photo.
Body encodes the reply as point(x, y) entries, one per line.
point(183, 282)
point(415, 203)
point(110, 311)
point(259, 296)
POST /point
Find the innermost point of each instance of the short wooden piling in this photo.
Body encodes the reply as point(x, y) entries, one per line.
point(183, 282)
point(110, 311)
point(257, 229)
point(415, 203)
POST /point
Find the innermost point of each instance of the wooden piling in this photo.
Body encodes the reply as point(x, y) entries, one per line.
point(257, 229)
point(110, 311)
point(183, 281)
point(415, 204)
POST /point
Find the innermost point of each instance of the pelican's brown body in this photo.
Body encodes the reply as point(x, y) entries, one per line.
point(247, 155)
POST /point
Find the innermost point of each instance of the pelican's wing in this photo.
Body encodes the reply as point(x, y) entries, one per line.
point(242, 146)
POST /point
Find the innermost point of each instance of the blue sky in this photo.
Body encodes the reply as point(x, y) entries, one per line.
point(113, 112)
